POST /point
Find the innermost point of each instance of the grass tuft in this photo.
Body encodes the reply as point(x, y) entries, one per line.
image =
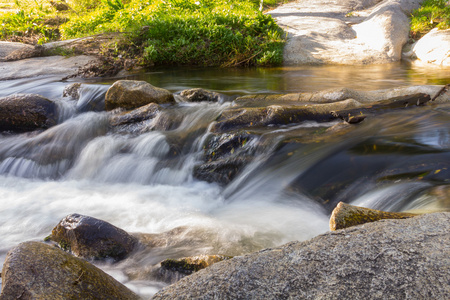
point(432, 14)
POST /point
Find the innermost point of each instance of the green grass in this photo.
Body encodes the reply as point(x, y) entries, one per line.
point(175, 32)
point(432, 14)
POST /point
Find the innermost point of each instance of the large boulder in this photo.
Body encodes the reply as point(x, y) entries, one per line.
point(389, 259)
point(92, 238)
point(26, 112)
point(344, 32)
point(130, 94)
point(433, 48)
point(34, 270)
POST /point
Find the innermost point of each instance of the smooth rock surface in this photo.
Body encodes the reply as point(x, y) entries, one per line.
point(34, 270)
point(388, 259)
point(59, 66)
point(92, 238)
point(434, 48)
point(130, 94)
point(7, 48)
point(26, 112)
point(344, 32)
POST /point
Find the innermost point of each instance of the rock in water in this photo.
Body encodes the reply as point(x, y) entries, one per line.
point(34, 270)
point(346, 215)
point(198, 95)
point(26, 112)
point(388, 259)
point(130, 94)
point(92, 238)
point(173, 270)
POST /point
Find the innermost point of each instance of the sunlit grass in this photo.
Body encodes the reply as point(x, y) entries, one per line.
point(432, 14)
point(200, 32)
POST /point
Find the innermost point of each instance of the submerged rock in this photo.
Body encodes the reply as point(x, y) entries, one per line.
point(198, 95)
point(390, 258)
point(92, 238)
point(26, 112)
point(222, 171)
point(34, 270)
point(173, 270)
point(130, 94)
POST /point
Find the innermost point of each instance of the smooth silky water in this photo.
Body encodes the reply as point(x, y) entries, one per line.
point(398, 161)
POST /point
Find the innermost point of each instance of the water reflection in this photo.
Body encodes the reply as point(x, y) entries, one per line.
point(295, 78)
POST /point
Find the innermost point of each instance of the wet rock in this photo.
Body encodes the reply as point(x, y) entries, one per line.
point(92, 238)
point(26, 112)
point(173, 270)
point(130, 94)
point(390, 258)
point(239, 118)
point(433, 48)
point(143, 113)
point(346, 215)
point(226, 144)
point(221, 171)
point(338, 94)
point(198, 95)
point(34, 270)
point(72, 90)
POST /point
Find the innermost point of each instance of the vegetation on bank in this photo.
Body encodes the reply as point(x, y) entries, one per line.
point(432, 14)
point(188, 32)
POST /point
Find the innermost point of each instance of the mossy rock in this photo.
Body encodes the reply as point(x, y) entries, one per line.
point(34, 270)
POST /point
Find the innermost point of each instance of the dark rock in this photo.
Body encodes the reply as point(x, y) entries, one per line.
point(227, 144)
point(26, 112)
point(222, 171)
point(239, 118)
point(72, 90)
point(92, 238)
point(34, 270)
point(130, 94)
point(173, 270)
point(388, 259)
point(198, 95)
point(140, 114)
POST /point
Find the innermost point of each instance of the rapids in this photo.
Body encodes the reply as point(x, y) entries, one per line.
point(137, 182)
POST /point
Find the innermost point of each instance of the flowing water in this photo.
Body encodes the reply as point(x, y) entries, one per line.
point(400, 161)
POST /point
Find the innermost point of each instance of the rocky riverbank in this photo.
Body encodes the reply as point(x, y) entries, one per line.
point(359, 262)
point(394, 258)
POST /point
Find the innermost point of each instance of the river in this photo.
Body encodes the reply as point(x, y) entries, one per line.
point(397, 162)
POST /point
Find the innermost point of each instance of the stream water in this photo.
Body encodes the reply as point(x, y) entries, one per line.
point(398, 162)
